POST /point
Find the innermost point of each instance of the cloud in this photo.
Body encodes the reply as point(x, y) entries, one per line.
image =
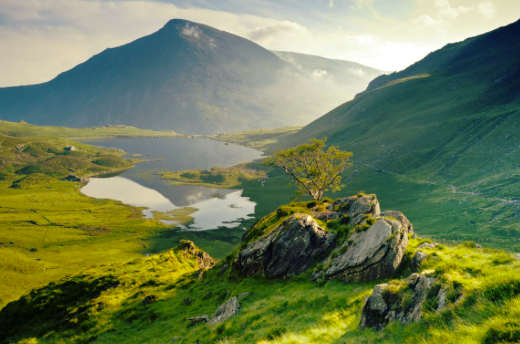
point(446, 11)
point(331, 3)
point(318, 73)
point(284, 28)
point(191, 30)
point(487, 9)
point(425, 21)
point(356, 72)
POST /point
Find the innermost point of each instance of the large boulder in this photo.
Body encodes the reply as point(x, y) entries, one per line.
point(355, 207)
point(225, 311)
point(369, 254)
point(287, 250)
point(404, 305)
point(401, 218)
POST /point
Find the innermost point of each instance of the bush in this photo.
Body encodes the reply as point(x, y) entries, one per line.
point(470, 244)
point(29, 169)
point(276, 332)
point(507, 332)
point(506, 288)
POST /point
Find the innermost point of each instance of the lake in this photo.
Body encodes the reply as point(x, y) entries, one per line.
point(142, 187)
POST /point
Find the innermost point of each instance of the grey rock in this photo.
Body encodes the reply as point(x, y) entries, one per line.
point(200, 319)
point(401, 218)
point(69, 148)
point(356, 208)
point(374, 253)
point(243, 295)
point(287, 250)
point(74, 178)
point(204, 260)
point(380, 309)
point(441, 297)
point(517, 256)
point(417, 260)
point(225, 311)
point(426, 245)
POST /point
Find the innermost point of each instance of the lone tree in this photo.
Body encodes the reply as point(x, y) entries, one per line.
point(314, 168)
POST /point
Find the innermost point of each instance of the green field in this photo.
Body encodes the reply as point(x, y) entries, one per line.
point(148, 300)
point(28, 130)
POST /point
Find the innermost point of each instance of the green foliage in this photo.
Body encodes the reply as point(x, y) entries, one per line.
point(110, 161)
point(31, 180)
point(314, 169)
point(503, 332)
point(220, 177)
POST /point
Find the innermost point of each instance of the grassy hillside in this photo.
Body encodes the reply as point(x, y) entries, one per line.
point(149, 300)
point(49, 230)
point(449, 121)
point(338, 77)
point(23, 129)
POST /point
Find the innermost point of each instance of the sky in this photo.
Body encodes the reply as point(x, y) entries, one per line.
point(41, 38)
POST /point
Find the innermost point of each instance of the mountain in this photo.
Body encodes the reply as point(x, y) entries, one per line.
point(444, 133)
point(186, 77)
point(343, 78)
point(452, 117)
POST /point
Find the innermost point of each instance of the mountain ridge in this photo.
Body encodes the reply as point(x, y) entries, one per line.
point(187, 77)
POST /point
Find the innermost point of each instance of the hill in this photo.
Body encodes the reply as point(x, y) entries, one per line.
point(187, 77)
point(342, 79)
point(449, 121)
point(185, 296)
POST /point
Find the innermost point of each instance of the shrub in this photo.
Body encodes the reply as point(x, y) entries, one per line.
point(29, 169)
point(470, 244)
point(504, 288)
point(276, 332)
point(507, 332)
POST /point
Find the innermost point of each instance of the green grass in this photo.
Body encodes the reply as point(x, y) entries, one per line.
point(50, 230)
point(259, 138)
point(29, 130)
point(435, 210)
point(105, 304)
point(220, 177)
point(415, 138)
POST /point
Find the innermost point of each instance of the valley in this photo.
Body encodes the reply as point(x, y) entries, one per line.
point(179, 188)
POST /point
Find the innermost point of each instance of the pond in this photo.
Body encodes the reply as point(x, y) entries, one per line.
point(142, 187)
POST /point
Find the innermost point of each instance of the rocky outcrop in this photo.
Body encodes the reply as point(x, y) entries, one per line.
point(405, 305)
point(370, 254)
point(372, 243)
point(355, 207)
point(204, 260)
point(401, 218)
point(417, 260)
point(426, 245)
point(287, 250)
point(74, 178)
point(225, 311)
point(200, 319)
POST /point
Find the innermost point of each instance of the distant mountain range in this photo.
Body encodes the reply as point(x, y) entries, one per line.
point(190, 78)
point(453, 117)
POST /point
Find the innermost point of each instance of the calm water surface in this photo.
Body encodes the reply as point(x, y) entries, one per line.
point(142, 187)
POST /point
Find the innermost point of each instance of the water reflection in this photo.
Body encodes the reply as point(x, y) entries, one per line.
point(141, 186)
